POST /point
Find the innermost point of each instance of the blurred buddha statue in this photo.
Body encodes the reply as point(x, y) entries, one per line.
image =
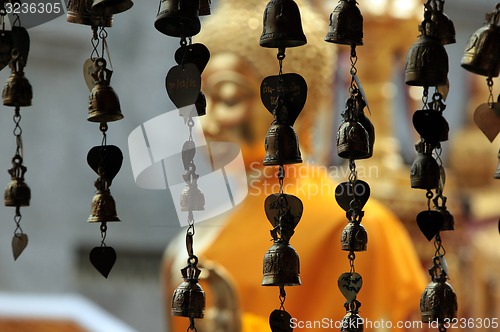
point(231, 247)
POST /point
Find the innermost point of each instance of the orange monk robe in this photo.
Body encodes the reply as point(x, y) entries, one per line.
point(393, 279)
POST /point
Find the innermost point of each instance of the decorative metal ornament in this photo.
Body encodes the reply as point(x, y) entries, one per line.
point(354, 237)
point(178, 18)
point(104, 105)
point(353, 141)
point(346, 24)
point(17, 90)
point(424, 172)
point(189, 298)
point(427, 60)
point(282, 25)
point(80, 12)
point(17, 192)
point(482, 52)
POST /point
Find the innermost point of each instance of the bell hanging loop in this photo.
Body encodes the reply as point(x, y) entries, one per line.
point(482, 52)
point(282, 25)
point(80, 12)
point(17, 90)
point(178, 18)
point(426, 60)
point(110, 7)
point(104, 105)
point(346, 24)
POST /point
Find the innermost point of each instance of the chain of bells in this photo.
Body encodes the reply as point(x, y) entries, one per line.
point(104, 107)
point(16, 93)
point(180, 19)
point(482, 57)
point(427, 66)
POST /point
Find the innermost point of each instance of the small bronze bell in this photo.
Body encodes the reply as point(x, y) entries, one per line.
point(17, 192)
point(110, 7)
point(443, 25)
point(353, 141)
point(352, 322)
point(104, 105)
point(281, 266)
point(354, 237)
point(282, 25)
point(482, 52)
point(201, 104)
point(103, 207)
point(80, 12)
point(427, 60)
point(281, 143)
point(17, 90)
point(192, 199)
point(189, 298)
point(424, 173)
point(438, 301)
point(346, 24)
point(178, 18)
point(359, 107)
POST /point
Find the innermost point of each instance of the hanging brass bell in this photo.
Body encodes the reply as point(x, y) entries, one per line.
point(17, 192)
point(281, 143)
point(353, 141)
point(103, 208)
point(192, 199)
point(178, 18)
point(354, 237)
point(110, 7)
point(443, 25)
point(426, 60)
point(282, 25)
point(201, 104)
point(346, 24)
point(104, 105)
point(438, 302)
point(80, 12)
point(189, 298)
point(281, 266)
point(424, 172)
point(352, 322)
point(482, 52)
point(17, 90)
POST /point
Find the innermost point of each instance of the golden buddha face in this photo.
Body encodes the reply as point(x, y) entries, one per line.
point(234, 110)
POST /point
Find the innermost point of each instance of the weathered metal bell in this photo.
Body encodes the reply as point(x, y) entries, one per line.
point(104, 105)
point(103, 208)
point(281, 143)
point(178, 18)
point(438, 302)
point(17, 90)
point(201, 104)
point(192, 199)
point(281, 266)
point(205, 7)
point(360, 104)
point(17, 192)
point(353, 141)
point(110, 7)
point(80, 12)
point(189, 298)
point(482, 52)
point(426, 60)
point(443, 25)
point(282, 25)
point(346, 24)
point(354, 237)
point(448, 220)
point(424, 173)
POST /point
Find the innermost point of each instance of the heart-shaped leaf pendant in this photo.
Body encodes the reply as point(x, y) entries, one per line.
point(488, 119)
point(103, 259)
point(345, 193)
point(183, 84)
point(19, 243)
point(350, 285)
point(430, 223)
